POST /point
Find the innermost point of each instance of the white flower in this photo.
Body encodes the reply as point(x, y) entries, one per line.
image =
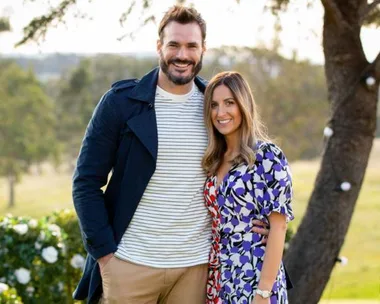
point(328, 132)
point(30, 290)
point(22, 275)
point(63, 248)
point(2, 280)
point(4, 222)
point(50, 254)
point(21, 228)
point(3, 287)
point(60, 286)
point(55, 230)
point(77, 261)
point(37, 245)
point(33, 223)
point(42, 236)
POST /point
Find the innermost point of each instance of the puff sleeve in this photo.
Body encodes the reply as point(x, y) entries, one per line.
point(275, 186)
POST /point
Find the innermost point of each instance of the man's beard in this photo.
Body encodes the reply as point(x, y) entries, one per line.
point(180, 80)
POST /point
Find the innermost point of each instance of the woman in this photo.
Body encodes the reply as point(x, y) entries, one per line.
point(248, 178)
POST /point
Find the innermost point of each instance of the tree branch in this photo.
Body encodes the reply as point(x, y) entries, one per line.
point(368, 10)
point(333, 10)
point(37, 28)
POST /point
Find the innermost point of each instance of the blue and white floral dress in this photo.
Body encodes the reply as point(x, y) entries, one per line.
point(237, 253)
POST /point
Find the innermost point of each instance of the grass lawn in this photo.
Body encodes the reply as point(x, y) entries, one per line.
point(360, 278)
point(40, 194)
point(349, 301)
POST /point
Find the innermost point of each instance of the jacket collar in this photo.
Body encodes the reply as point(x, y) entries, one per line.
point(145, 90)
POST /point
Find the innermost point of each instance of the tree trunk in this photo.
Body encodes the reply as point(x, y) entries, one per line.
point(12, 182)
point(320, 236)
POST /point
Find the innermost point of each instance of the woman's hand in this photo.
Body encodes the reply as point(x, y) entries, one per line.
point(260, 300)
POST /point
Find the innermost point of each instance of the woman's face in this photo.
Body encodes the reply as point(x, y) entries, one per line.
point(225, 113)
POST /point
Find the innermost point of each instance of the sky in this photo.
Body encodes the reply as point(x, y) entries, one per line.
point(228, 23)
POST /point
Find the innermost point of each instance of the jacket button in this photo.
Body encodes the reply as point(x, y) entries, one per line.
point(151, 106)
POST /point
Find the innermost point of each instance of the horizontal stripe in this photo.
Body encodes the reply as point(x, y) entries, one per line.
point(171, 226)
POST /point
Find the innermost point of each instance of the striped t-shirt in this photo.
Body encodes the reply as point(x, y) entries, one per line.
point(171, 226)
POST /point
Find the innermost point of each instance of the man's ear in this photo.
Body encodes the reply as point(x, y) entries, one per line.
point(158, 46)
point(204, 47)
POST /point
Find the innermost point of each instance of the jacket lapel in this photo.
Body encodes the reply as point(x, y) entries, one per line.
point(145, 128)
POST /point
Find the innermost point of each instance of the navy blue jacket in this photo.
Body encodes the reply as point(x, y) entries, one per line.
point(122, 137)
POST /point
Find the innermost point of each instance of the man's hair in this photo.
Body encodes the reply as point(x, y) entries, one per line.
point(182, 15)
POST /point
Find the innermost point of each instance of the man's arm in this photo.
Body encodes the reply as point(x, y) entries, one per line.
point(95, 160)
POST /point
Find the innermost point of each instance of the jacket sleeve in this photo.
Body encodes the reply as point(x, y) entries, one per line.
point(95, 161)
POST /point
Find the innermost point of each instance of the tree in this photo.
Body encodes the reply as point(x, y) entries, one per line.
point(74, 105)
point(26, 124)
point(352, 84)
point(4, 24)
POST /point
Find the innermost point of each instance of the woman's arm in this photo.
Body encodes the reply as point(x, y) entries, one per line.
point(273, 251)
point(273, 254)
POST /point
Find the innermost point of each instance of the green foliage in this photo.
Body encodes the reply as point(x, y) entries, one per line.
point(8, 295)
point(37, 28)
point(42, 276)
point(26, 123)
point(26, 120)
point(68, 221)
point(43, 259)
point(4, 24)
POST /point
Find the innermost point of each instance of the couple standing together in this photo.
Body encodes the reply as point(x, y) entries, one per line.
point(195, 186)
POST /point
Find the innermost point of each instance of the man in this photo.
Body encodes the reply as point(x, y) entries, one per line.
point(148, 234)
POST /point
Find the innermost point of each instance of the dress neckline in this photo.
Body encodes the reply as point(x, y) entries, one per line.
point(214, 177)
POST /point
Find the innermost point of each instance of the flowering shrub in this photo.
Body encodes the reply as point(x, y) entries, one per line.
point(8, 295)
point(75, 253)
point(42, 259)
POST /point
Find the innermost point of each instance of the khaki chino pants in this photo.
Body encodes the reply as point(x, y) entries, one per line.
point(128, 283)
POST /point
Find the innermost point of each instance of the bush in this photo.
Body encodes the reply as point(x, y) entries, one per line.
point(8, 295)
point(43, 259)
point(75, 253)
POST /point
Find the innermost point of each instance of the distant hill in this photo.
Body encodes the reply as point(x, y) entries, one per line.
point(52, 66)
point(49, 66)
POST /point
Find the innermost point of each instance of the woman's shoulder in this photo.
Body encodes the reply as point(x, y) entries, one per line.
point(265, 150)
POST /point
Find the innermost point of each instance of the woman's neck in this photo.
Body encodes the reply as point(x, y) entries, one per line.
point(233, 146)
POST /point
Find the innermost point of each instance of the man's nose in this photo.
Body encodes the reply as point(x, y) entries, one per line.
point(182, 53)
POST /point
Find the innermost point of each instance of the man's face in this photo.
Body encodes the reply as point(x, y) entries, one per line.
point(181, 52)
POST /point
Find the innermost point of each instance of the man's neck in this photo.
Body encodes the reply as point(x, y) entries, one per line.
point(167, 85)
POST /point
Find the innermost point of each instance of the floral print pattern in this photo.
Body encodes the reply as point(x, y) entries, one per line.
point(237, 254)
